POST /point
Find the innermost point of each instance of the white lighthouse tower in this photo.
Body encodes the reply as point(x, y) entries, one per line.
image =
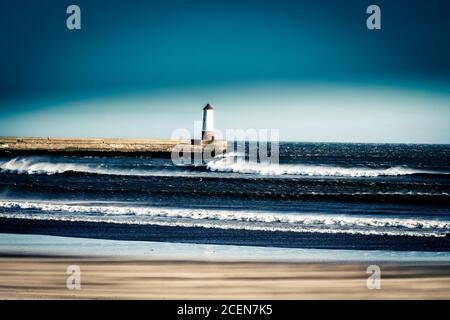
point(208, 123)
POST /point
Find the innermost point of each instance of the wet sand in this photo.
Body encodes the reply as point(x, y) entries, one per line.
point(26, 277)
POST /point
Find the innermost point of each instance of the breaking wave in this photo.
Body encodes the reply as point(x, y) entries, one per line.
point(233, 164)
point(245, 220)
point(36, 165)
point(227, 164)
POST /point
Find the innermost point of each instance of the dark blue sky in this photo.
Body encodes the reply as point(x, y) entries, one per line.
point(165, 59)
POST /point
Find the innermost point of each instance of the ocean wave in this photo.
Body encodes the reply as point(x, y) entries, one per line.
point(246, 220)
point(230, 163)
point(224, 227)
point(237, 165)
point(37, 165)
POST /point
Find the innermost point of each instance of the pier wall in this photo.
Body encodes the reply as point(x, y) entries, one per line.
point(106, 146)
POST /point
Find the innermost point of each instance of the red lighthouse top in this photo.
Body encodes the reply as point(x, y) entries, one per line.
point(208, 107)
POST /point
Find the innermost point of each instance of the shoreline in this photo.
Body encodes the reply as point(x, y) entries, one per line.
point(34, 245)
point(217, 236)
point(35, 267)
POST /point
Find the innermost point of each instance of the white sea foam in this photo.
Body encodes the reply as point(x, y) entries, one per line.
point(32, 165)
point(232, 163)
point(247, 220)
point(223, 226)
point(237, 165)
point(37, 165)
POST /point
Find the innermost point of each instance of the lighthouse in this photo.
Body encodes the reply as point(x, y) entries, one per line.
point(208, 123)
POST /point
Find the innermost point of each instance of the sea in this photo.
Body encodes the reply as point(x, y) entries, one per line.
point(393, 197)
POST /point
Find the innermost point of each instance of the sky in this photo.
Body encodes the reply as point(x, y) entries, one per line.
point(309, 68)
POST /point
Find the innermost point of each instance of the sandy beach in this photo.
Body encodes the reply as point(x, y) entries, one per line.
point(35, 267)
point(103, 278)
